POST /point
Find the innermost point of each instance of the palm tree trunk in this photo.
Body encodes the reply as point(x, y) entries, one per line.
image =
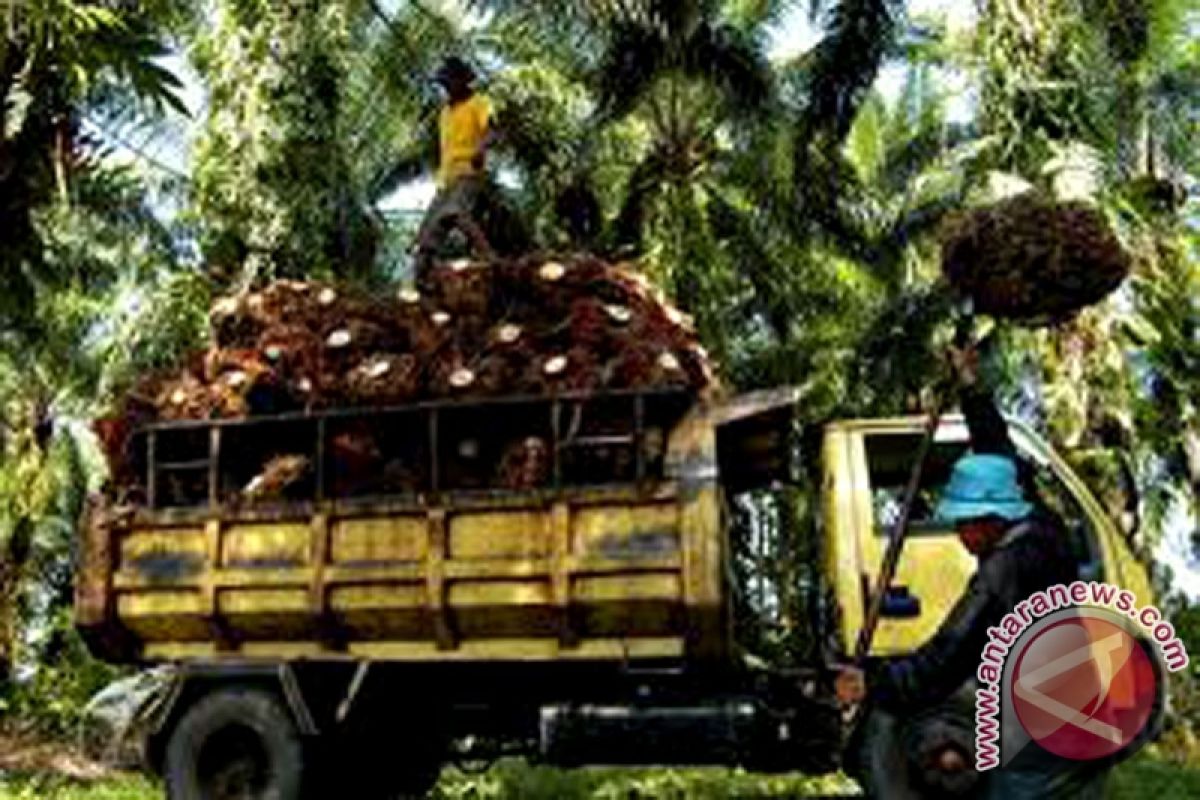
point(12, 571)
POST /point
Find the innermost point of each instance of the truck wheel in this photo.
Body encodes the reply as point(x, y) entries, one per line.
point(235, 744)
point(927, 756)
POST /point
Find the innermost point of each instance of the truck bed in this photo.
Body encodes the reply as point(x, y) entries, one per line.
point(621, 570)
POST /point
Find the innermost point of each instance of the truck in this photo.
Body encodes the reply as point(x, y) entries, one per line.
point(360, 638)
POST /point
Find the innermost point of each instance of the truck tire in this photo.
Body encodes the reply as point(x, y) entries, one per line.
point(235, 744)
point(926, 756)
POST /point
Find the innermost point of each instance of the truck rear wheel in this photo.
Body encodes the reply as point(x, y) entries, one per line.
point(235, 744)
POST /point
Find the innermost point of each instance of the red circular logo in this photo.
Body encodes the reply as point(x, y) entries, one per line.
point(1084, 688)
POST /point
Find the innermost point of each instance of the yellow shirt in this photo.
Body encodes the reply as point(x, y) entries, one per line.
point(463, 128)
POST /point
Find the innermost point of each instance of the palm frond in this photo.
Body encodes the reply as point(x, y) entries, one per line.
point(844, 64)
point(635, 56)
point(734, 62)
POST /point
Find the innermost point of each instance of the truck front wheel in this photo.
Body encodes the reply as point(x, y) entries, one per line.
point(928, 755)
point(235, 744)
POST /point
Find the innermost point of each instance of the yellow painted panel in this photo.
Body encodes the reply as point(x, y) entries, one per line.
point(501, 609)
point(146, 604)
point(509, 535)
point(179, 651)
point(626, 531)
point(498, 593)
point(163, 555)
point(526, 649)
point(267, 613)
point(266, 545)
point(381, 611)
point(382, 598)
point(935, 568)
point(379, 540)
point(163, 616)
point(632, 618)
point(615, 588)
point(276, 651)
point(261, 601)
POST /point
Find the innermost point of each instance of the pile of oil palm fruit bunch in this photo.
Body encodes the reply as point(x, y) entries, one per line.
point(1033, 260)
point(532, 326)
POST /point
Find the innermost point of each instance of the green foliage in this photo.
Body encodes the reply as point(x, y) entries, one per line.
point(55, 56)
point(1140, 779)
point(512, 778)
point(272, 188)
point(63, 677)
point(42, 787)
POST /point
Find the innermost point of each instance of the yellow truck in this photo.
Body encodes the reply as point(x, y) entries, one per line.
point(353, 634)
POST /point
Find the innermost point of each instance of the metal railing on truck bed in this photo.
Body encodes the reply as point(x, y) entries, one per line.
point(436, 531)
point(427, 449)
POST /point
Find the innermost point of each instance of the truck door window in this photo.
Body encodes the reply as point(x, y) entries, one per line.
point(889, 464)
point(889, 461)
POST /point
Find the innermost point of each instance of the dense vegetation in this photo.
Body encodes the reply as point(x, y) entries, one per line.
point(789, 198)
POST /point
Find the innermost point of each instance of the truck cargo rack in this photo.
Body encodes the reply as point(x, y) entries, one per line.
point(436, 447)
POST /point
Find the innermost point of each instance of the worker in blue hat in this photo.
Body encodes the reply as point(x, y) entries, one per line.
point(1021, 548)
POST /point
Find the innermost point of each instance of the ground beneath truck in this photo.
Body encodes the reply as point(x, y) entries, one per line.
point(55, 779)
point(24, 754)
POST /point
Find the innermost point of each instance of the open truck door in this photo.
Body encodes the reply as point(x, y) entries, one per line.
point(756, 438)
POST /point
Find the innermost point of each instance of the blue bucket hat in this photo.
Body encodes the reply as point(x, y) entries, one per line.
point(983, 485)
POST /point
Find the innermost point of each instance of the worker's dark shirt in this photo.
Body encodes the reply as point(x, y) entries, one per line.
point(1033, 555)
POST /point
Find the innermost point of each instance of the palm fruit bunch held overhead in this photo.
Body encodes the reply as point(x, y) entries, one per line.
point(530, 326)
point(1033, 260)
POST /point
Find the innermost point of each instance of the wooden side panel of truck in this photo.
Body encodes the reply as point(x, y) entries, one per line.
point(618, 573)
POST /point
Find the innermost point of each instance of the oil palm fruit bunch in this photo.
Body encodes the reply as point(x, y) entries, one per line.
point(538, 324)
point(1032, 259)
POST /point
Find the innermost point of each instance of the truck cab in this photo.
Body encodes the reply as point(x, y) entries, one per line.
point(866, 465)
point(590, 618)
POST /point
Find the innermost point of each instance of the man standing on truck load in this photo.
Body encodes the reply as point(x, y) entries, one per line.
point(1021, 548)
point(465, 134)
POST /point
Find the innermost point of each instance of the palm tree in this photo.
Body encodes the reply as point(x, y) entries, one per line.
point(74, 229)
point(55, 57)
